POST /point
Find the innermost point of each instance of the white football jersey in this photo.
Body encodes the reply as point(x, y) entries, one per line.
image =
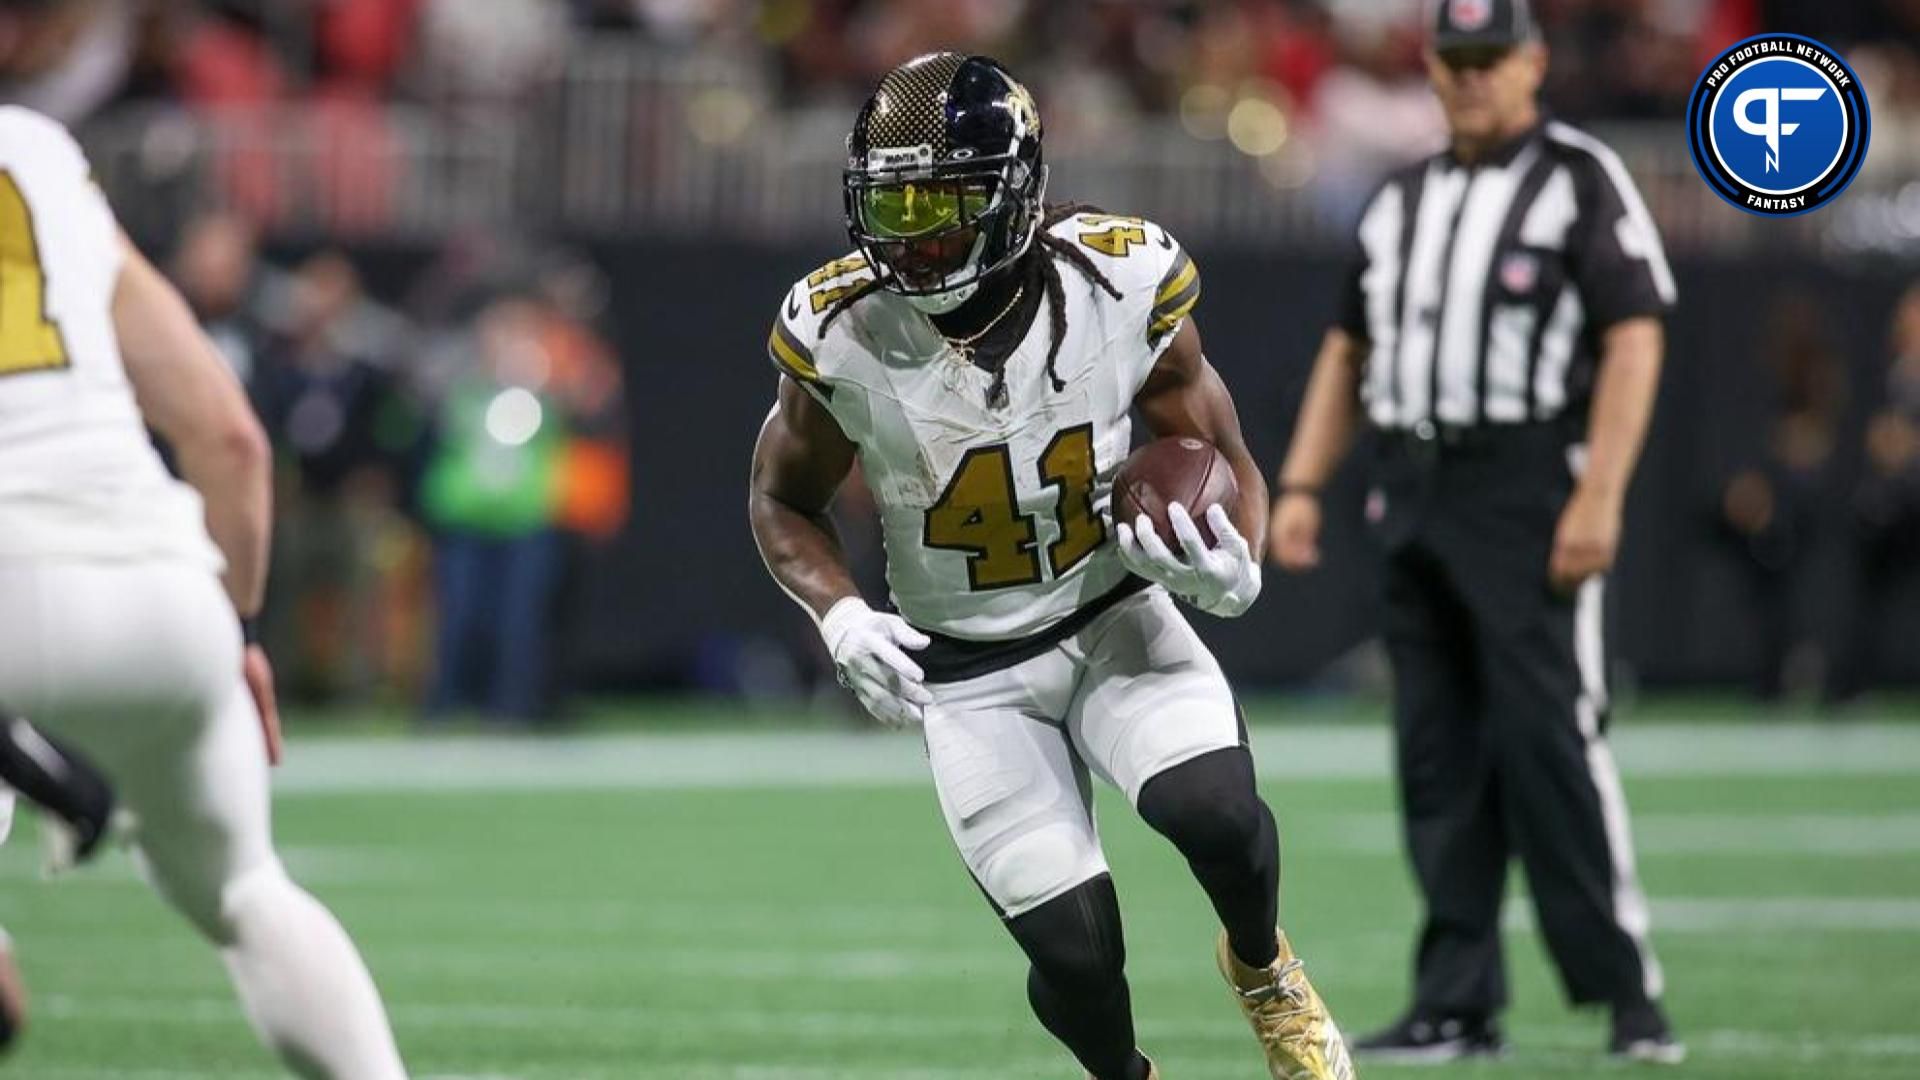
point(78, 474)
point(993, 515)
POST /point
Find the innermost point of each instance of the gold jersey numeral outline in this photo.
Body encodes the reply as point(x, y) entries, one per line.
point(30, 340)
point(979, 514)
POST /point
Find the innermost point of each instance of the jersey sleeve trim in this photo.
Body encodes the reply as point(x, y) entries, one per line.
point(1175, 297)
point(789, 355)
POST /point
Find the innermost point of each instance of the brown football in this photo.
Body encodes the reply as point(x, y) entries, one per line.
point(1175, 469)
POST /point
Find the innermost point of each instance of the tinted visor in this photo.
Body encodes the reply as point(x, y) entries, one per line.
point(916, 210)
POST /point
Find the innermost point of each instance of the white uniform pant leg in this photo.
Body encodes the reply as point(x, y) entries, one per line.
point(138, 665)
point(1151, 696)
point(1016, 797)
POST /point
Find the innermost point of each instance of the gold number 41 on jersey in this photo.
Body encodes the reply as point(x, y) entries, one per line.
point(29, 341)
point(978, 513)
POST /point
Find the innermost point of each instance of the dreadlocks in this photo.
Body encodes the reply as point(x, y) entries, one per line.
point(1051, 249)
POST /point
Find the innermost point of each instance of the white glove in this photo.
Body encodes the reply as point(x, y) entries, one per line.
point(1221, 580)
point(867, 648)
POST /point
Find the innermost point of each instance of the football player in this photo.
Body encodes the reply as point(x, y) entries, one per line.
point(979, 355)
point(123, 592)
point(79, 808)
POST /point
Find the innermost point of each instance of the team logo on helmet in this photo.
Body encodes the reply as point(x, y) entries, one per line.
point(1470, 14)
point(1778, 125)
point(1026, 115)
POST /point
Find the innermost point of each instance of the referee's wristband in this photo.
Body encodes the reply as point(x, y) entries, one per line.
point(1311, 491)
point(250, 629)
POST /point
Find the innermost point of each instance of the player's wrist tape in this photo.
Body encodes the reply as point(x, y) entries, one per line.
point(833, 622)
point(250, 629)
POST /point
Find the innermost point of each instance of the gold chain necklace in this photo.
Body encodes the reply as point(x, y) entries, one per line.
point(964, 345)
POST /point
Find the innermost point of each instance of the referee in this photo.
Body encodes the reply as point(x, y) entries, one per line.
point(1501, 332)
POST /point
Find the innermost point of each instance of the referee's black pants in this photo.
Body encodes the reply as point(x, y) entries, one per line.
point(1500, 718)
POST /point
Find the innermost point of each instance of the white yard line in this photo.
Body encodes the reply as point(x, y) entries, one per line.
point(841, 759)
point(1794, 914)
point(1865, 833)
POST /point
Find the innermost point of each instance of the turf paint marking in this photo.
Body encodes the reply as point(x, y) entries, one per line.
point(840, 760)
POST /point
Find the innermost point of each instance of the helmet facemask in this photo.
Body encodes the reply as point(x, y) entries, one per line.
point(934, 232)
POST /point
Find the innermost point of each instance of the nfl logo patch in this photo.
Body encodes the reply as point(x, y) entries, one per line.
point(1470, 14)
point(1518, 272)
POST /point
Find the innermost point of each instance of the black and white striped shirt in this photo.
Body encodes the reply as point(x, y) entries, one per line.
point(1481, 290)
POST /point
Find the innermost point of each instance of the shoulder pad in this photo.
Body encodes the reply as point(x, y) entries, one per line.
point(1144, 262)
point(797, 327)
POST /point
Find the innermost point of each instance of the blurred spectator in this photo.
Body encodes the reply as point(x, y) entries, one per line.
point(66, 58)
point(491, 52)
point(325, 390)
point(593, 481)
point(1778, 512)
point(1887, 509)
point(217, 270)
point(491, 494)
point(1375, 111)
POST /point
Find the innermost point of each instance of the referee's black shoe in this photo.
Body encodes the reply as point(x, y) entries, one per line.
point(1419, 1039)
point(1641, 1033)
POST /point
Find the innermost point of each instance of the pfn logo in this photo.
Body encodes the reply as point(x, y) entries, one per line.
point(1771, 128)
point(1778, 125)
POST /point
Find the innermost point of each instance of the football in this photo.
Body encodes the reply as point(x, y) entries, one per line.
point(1178, 469)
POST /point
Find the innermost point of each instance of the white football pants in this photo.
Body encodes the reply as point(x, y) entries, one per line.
point(137, 664)
point(1133, 694)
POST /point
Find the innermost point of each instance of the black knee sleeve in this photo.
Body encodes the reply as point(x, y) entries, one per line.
point(55, 779)
point(1077, 984)
point(1210, 808)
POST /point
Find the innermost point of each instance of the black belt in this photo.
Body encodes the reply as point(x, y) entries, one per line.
point(1427, 440)
point(952, 659)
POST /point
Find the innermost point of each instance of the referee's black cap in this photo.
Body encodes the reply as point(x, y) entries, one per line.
point(1477, 24)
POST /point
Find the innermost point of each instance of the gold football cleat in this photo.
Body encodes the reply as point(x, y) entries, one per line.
point(1292, 1023)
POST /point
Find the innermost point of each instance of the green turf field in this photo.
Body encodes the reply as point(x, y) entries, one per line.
point(785, 906)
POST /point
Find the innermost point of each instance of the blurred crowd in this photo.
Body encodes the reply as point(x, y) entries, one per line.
point(443, 468)
point(1614, 58)
point(1823, 515)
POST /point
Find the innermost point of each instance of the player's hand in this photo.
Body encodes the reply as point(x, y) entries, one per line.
point(869, 655)
point(259, 675)
point(1221, 580)
point(1293, 536)
point(1586, 540)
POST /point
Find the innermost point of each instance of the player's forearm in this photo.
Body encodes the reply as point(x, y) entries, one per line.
point(802, 552)
point(188, 395)
point(233, 472)
point(1329, 416)
point(1623, 397)
point(1250, 513)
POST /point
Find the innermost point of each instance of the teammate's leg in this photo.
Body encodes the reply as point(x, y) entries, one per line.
point(60, 782)
point(138, 667)
point(204, 843)
point(1017, 802)
point(13, 994)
